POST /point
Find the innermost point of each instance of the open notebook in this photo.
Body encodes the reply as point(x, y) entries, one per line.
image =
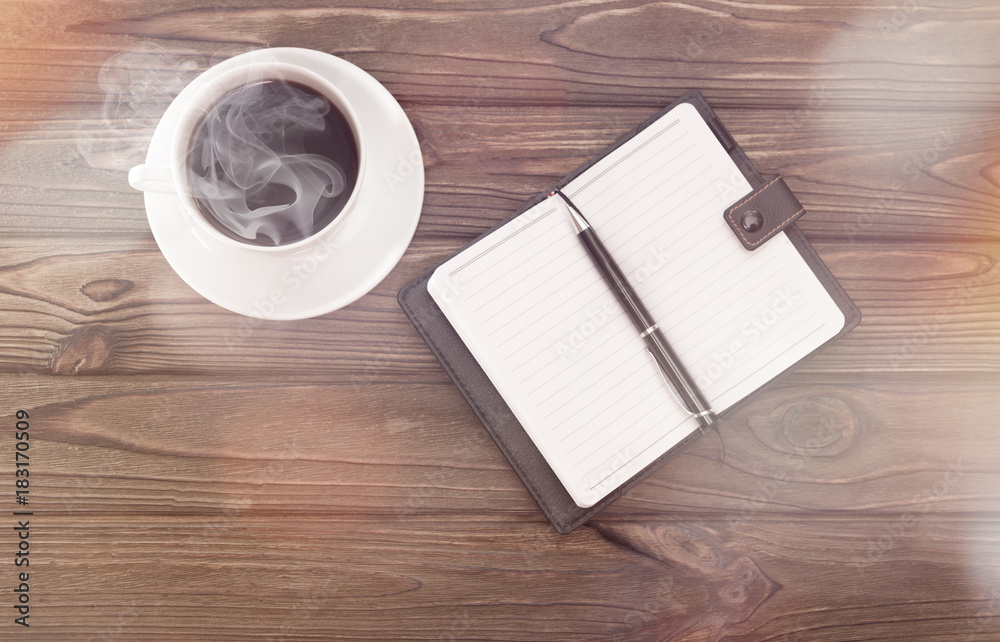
point(541, 350)
point(547, 330)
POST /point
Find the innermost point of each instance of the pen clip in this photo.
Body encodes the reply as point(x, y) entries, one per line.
point(663, 376)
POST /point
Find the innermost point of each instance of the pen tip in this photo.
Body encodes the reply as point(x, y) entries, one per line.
point(579, 223)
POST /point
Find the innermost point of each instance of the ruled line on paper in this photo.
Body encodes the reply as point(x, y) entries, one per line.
point(786, 350)
point(502, 276)
point(496, 245)
point(646, 180)
point(569, 382)
point(613, 389)
point(644, 451)
point(625, 208)
point(561, 321)
point(628, 155)
point(514, 284)
point(642, 401)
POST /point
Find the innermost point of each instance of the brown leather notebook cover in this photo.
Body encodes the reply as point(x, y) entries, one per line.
point(770, 208)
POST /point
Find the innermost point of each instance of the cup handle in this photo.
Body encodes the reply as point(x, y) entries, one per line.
point(152, 178)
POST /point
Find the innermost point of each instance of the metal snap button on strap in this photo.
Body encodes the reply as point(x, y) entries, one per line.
point(746, 218)
point(752, 221)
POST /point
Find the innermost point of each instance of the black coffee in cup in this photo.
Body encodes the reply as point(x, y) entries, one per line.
point(272, 163)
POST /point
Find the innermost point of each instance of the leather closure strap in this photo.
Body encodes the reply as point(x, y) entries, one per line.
point(761, 215)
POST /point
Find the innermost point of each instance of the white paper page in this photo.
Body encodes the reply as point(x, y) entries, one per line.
point(548, 331)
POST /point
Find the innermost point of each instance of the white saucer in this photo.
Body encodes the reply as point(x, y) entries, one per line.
point(307, 282)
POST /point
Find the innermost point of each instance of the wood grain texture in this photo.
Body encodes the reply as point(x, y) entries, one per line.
point(199, 475)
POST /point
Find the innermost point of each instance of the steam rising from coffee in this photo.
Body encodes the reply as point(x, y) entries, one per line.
point(138, 84)
point(272, 163)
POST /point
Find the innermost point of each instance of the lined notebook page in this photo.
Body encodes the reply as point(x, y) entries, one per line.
point(550, 334)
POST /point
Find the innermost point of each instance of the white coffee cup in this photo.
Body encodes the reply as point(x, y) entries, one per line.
point(205, 93)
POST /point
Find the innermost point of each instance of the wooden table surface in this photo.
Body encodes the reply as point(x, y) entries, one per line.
point(193, 476)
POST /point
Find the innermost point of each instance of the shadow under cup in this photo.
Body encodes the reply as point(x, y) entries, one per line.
point(272, 162)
